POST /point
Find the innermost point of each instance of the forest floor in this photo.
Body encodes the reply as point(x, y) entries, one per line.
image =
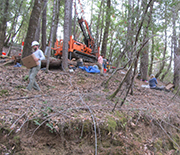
point(71, 115)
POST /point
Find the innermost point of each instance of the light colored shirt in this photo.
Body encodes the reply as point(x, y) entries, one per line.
point(40, 55)
point(100, 59)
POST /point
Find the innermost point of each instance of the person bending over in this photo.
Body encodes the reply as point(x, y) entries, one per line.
point(34, 70)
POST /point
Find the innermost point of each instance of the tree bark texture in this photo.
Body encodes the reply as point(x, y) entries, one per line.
point(165, 48)
point(145, 53)
point(33, 24)
point(51, 36)
point(43, 37)
point(152, 56)
point(106, 31)
point(3, 22)
point(102, 26)
point(70, 18)
point(176, 52)
point(66, 34)
point(9, 38)
point(56, 21)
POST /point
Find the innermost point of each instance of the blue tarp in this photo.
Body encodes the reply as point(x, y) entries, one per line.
point(90, 69)
point(17, 65)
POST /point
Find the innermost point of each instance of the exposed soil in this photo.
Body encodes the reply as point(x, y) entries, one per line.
point(71, 107)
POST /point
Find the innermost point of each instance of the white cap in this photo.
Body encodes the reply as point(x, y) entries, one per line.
point(34, 43)
point(152, 75)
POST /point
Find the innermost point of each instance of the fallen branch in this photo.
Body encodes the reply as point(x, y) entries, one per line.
point(168, 135)
point(13, 125)
point(20, 98)
point(10, 62)
point(105, 83)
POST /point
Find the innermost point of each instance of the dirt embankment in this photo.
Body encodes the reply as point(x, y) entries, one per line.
point(72, 115)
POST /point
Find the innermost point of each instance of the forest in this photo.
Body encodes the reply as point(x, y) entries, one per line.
point(139, 37)
point(144, 33)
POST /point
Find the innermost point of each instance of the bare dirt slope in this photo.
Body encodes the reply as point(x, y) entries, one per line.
point(63, 117)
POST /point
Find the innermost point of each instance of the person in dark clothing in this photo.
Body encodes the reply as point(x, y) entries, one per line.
point(153, 82)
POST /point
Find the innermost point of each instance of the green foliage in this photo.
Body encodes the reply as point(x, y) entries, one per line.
point(176, 139)
point(106, 90)
point(37, 122)
point(16, 139)
point(158, 145)
point(111, 122)
point(20, 86)
point(122, 118)
point(81, 80)
point(4, 92)
point(50, 125)
point(46, 111)
point(26, 77)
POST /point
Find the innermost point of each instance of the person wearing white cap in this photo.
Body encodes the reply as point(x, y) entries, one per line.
point(34, 70)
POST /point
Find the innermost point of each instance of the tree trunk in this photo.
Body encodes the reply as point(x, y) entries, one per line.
point(102, 26)
point(33, 23)
point(144, 62)
point(129, 40)
point(145, 52)
point(152, 56)
point(37, 34)
point(169, 66)
point(164, 51)
point(75, 17)
point(176, 52)
point(70, 19)
point(14, 23)
point(163, 60)
point(56, 21)
point(66, 35)
point(3, 22)
point(92, 2)
point(43, 39)
point(112, 51)
point(22, 22)
point(106, 31)
point(98, 23)
point(51, 36)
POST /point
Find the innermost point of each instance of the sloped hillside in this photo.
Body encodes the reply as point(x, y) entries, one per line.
point(72, 115)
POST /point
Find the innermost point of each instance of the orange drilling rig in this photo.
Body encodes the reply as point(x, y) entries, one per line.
point(88, 51)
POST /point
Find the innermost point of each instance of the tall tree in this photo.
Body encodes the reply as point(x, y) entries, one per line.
point(106, 31)
point(165, 46)
point(12, 30)
point(176, 52)
point(152, 54)
point(67, 19)
point(37, 34)
point(169, 66)
point(56, 21)
point(33, 24)
point(145, 52)
point(43, 36)
point(3, 22)
point(75, 17)
point(70, 18)
point(92, 2)
point(51, 35)
point(98, 23)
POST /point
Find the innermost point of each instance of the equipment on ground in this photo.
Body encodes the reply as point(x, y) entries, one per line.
point(88, 50)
